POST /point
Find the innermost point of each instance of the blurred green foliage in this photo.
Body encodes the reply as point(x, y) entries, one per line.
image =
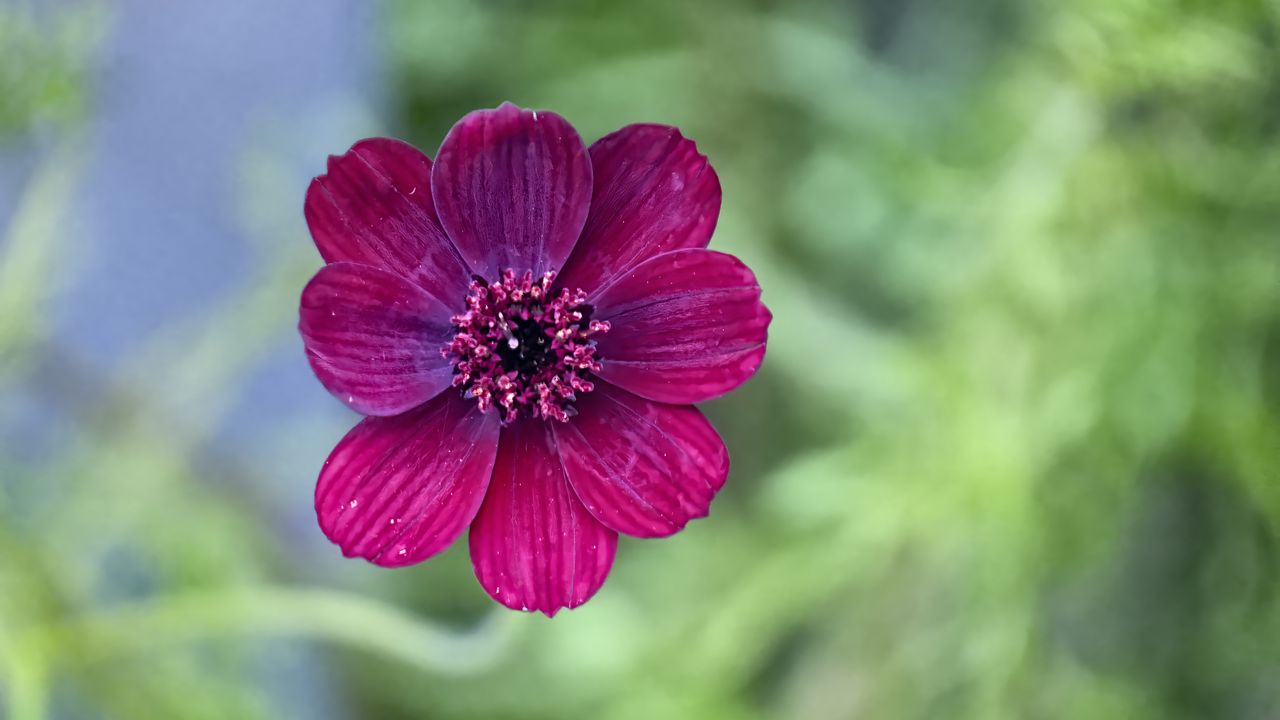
point(46, 59)
point(1013, 453)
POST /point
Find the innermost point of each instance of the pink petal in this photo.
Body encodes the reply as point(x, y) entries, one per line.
point(654, 192)
point(642, 468)
point(533, 545)
point(398, 490)
point(374, 338)
point(513, 188)
point(374, 207)
point(687, 326)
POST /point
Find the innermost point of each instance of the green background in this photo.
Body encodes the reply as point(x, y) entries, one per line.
point(1012, 452)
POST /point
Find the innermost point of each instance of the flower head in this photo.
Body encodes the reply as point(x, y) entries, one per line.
point(526, 323)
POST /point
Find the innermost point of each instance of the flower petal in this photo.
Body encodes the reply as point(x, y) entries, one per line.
point(374, 338)
point(374, 207)
point(654, 192)
point(687, 326)
point(642, 468)
point(513, 188)
point(533, 545)
point(397, 490)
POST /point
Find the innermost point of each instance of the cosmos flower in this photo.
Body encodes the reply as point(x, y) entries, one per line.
point(526, 323)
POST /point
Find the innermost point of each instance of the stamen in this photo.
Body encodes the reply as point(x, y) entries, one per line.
point(524, 349)
point(512, 342)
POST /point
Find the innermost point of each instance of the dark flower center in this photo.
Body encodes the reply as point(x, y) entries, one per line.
point(522, 348)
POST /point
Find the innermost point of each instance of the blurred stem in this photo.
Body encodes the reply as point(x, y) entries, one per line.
point(28, 681)
point(34, 250)
point(318, 614)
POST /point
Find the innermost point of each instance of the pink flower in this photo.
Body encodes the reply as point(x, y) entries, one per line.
point(526, 323)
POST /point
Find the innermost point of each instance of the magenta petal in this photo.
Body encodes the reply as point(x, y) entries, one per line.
point(654, 192)
point(687, 326)
point(642, 468)
point(374, 338)
point(533, 545)
point(374, 207)
point(398, 490)
point(513, 188)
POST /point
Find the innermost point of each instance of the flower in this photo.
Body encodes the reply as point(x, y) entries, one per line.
point(526, 324)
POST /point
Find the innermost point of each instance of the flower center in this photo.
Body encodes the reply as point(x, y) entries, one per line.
point(522, 348)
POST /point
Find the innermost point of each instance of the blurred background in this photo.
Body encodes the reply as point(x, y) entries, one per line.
point(1013, 452)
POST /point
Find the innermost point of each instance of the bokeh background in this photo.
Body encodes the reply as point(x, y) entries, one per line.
point(1013, 452)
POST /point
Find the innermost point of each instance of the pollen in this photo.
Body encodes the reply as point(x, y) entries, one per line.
point(523, 349)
